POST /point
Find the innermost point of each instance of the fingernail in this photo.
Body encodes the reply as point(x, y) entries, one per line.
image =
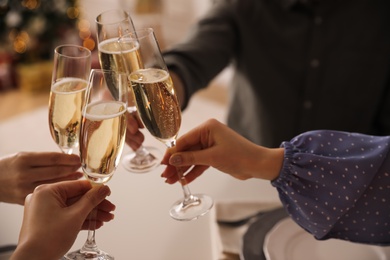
point(175, 160)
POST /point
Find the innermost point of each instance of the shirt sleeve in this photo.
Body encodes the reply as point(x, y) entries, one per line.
point(337, 185)
point(207, 50)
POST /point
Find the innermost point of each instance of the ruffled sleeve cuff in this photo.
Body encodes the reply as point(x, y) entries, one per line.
point(325, 173)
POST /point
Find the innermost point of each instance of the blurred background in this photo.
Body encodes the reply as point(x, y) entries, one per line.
point(31, 29)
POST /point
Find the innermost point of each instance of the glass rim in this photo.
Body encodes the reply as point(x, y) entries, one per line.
point(98, 20)
point(99, 71)
point(138, 34)
point(79, 47)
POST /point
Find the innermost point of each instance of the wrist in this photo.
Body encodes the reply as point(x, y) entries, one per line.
point(276, 163)
point(270, 163)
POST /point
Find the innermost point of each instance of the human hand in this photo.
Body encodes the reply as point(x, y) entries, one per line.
point(55, 213)
point(216, 145)
point(134, 137)
point(20, 173)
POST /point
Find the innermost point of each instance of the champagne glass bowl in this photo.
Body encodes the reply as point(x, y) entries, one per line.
point(72, 65)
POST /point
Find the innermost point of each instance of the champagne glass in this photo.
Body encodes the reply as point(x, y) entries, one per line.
point(102, 137)
point(111, 25)
point(72, 65)
point(159, 110)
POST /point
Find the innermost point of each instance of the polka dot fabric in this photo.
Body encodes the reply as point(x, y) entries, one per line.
point(337, 185)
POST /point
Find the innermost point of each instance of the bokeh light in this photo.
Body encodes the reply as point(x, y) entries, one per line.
point(19, 41)
point(31, 4)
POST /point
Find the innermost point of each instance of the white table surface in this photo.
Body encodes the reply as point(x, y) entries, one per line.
point(142, 228)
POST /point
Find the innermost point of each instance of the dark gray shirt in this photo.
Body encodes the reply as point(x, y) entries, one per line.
point(299, 65)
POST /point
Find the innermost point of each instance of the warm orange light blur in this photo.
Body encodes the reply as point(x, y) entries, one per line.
point(73, 12)
point(24, 35)
point(89, 44)
point(84, 28)
point(31, 4)
point(19, 41)
point(84, 34)
point(19, 45)
point(84, 25)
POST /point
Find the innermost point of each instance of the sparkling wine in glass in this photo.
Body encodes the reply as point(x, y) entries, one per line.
point(72, 65)
point(111, 25)
point(160, 112)
point(102, 137)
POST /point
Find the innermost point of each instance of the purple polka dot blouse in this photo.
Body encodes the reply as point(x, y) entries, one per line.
point(337, 185)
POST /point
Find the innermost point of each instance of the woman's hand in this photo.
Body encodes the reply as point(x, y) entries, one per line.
point(216, 145)
point(20, 173)
point(55, 213)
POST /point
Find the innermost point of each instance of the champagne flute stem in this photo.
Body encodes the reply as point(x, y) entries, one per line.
point(90, 248)
point(180, 175)
point(142, 156)
point(189, 199)
point(67, 150)
point(90, 244)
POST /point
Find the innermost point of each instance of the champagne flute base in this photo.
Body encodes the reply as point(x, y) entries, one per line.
point(142, 163)
point(199, 205)
point(79, 255)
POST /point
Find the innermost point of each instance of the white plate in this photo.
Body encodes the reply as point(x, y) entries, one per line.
point(288, 241)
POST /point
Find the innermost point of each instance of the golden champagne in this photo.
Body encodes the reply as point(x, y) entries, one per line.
point(120, 57)
point(110, 58)
point(157, 103)
point(102, 138)
point(65, 104)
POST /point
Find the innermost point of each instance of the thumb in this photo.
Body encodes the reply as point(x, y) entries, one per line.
point(92, 198)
